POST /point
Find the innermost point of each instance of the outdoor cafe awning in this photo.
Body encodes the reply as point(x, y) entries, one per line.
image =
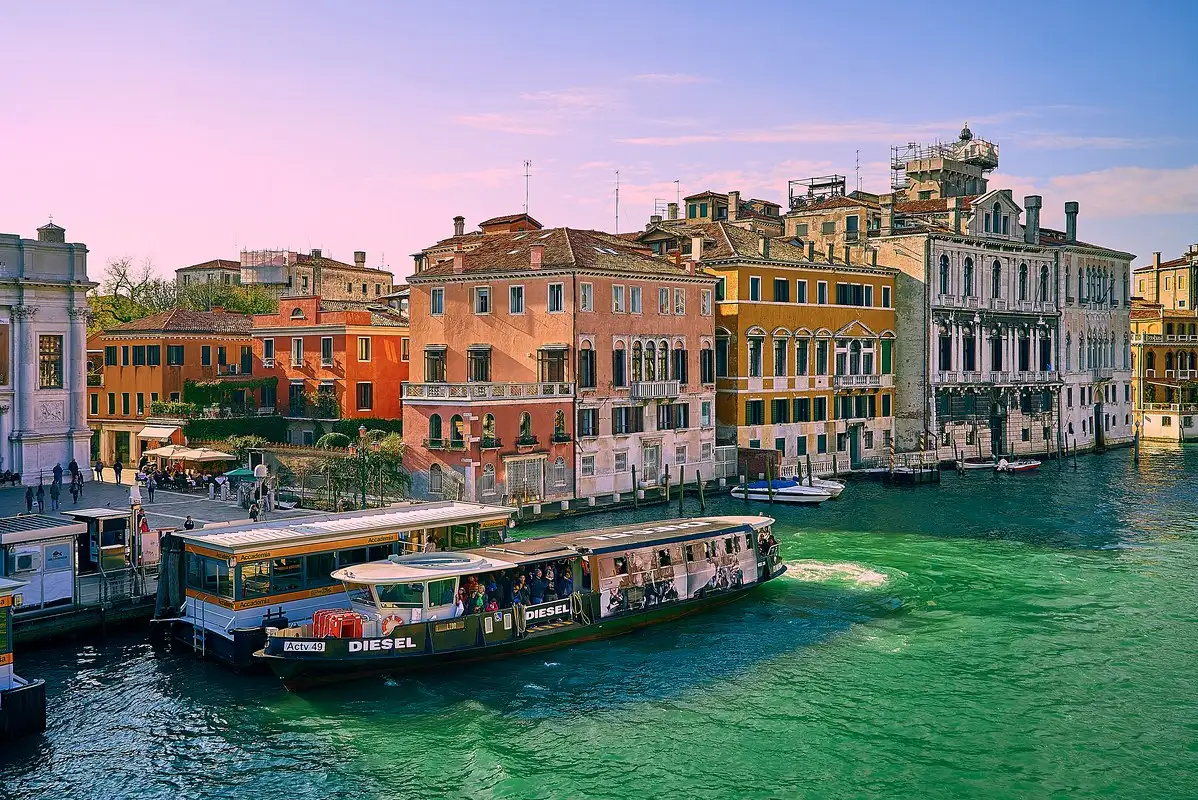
point(157, 432)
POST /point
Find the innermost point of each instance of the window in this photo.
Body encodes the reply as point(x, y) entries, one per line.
point(586, 298)
point(869, 295)
point(754, 412)
point(886, 407)
point(50, 362)
point(819, 409)
point(515, 300)
point(617, 299)
point(885, 297)
point(663, 301)
point(781, 290)
point(586, 367)
point(557, 298)
point(705, 302)
point(627, 419)
point(220, 356)
point(365, 396)
point(94, 401)
point(800, 291)
point(821, 293)
point(125, 403)
point(363, 348)
point(705, 419)
point(1023, 281)
point(802, 409)
point(754, 288)
point(827, 228)
point(821, 357)
point(801, 446)
point(755, 370)
point(780, 348)
point(457, 429)
point(968, 279)
point(174, 355)
point(436, 305)
point(435, 479)
point(801, 229)
point(721, 358)
point(721, 288)
point(706, 365)
point(944, 280)
point(297, 352)
point(821, 444)
point(852, 227)
point(139, 355)
point(634, 299)
point(679, 457)
point(622, 461)
point(619, 367)
point(588, 422)
point(205, 355)
point(551, 365)
point(587, 468)
point(1044, 295)
point(111, 404)
point(478, 365)
point(482, 299)
point(800, 357)
point(326, 351)
point(110, 356)
point(141, 403)
point(673, 416)
point(779, 410)
point(559, 475)
point(679, 301)
point(154, 355)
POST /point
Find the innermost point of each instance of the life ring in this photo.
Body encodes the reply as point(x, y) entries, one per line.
point(390, 624)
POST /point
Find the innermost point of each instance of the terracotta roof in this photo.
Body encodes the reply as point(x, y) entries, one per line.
point(1175, 262)
point(179, 320)
point(565, 248)
point(930, 206)
point(380, 315)
point(839, 201)
point(216, 263)
point(1146, 313)
point(508, 218)
point(707, 193)
point(1051, 237)
point(465, 238)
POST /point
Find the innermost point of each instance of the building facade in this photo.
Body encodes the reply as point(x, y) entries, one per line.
point(218, 270)
point(1164, 344)
point(43, 353)
point(333, 360)
point(557, 364)
point(290, 274)
point(157, 360)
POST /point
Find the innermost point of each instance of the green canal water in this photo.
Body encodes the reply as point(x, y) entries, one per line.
point(996, 636)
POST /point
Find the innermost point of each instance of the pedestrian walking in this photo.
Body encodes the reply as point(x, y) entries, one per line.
point(41, 497)
point(73, 468)
point(74, 492)
point(151, 485)
point(55, 493)
point(116, 469)
point(99, 471)
point(254, 512)
point(58, 473)
point(189, 523)
point(79, 483)
point(29, 499)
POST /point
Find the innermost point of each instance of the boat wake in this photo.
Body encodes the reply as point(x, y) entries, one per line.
point(823, 572)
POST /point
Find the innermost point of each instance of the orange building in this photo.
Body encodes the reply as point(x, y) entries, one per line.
point(334, 360)
point(152, 360)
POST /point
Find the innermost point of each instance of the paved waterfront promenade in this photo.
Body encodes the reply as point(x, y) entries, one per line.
point(168, 510)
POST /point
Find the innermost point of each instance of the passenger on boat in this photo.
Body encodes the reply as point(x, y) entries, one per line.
point(565, 582)
point(521, 591)
point(492, 605)
point(586, 575)
point(550, 585)
point(537, 586)
point(478, 601)
point(459, 603)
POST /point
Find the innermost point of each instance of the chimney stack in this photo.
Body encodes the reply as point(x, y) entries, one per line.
point(831, 252)
point(536, 255)
point(459, 261)
point(1031, 230)
point(671, 211)
point(733, 205)
point(763, 246)
point(696, 248)
point(811, 251)
point(360, 259)
point(315, 252)
point(459, 226)
point(1156, 260)
point(1071, 209)
point(887, 225)
point(654, 219)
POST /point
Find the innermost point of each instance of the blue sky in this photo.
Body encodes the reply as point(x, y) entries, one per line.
point(179, 133)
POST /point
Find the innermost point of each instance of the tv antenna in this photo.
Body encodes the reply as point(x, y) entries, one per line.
point(857, 169)
point(527, 166)
point(617, 201)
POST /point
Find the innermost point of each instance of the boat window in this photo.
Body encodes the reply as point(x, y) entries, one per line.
point(216, 578)
point(690, 552)
point(440, 593)
point(728, 545)
point(287, 575)
point(359, 593)
point(349, 558)
point(748, 541)
point(663, 558)
point(381, 551)
point(408, 595)
point(620, 564)
point(735, 543)
point(318, 569)
point(195, 571)
point(255, 579)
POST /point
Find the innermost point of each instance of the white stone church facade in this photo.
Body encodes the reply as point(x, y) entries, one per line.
point(43, 354)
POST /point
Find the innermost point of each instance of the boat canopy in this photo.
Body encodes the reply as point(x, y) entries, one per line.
point(420, 567)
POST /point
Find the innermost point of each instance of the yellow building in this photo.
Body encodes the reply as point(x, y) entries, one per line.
point(1164, 341)
point(805, 347)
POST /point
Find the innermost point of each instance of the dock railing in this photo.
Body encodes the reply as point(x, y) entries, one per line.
point(118, 587)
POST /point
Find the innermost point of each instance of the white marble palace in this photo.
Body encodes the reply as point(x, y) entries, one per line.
point(43, 353)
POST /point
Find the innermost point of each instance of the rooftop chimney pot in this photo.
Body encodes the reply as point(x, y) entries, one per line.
point(360, 258)
point(733, 205)
point(459, 226)
point(830, 248)
point(1071, 209)
point(671, 211)
point(811, 251)
point(847, 251)
point(536, 255)
point(763, 246)
point(1031, 230)
point(315, 252)
point(696, 248)
point(1156, 260)
point(459, 261)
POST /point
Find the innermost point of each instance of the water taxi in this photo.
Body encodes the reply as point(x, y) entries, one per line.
point(406, 612)
point(783, 490)
point(1018, 465)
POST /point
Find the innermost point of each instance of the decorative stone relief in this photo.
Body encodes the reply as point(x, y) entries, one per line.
point(51, 411)
point(79, 312)
point(24, 312)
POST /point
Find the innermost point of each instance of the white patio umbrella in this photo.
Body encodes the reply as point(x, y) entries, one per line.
point(205, 454)
point(168, 451)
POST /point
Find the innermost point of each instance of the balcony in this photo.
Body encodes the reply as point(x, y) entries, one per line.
point(1184, 408)
point(490, 443)
point(654, 390)
point(1160, 338)
point(95, 379)
point(561, 438)
point(526, 442)
point(1102, 373)
point(229, 370)
point(1020, 377)
point(444, 444)
point(485, 391)
point(1178, 374)
point(864, 381)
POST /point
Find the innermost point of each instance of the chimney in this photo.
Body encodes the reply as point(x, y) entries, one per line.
point(459, 226)
point(887, 226)
point(536, 255)
point(954, 208)
point(811, 251)
point(671, 211)
point(360, 259)
point(847, 251)
point(831, 253)
point(654, 219)
point(315, 253)
point(733, 205)
point(459, 261)
point(1156, 260)
point(1071, 209)
point(1031, 229)
point(696, 248)
point(763, 246)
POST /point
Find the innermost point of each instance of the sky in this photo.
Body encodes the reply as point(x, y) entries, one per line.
point(175, 133)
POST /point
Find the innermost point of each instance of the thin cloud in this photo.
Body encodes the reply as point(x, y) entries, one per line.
point(670, 78)
point(506, 123)
point(576, 100)
point(542, 113)
point(1065, 141)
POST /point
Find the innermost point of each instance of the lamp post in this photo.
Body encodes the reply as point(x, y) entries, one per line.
point(363, 454)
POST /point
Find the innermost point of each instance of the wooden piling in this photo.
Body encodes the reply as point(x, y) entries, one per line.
point(682, 486)
point(635, 502)
point(769, 481)
point(702, 500)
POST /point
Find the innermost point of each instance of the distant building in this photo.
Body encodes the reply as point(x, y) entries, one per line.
point(291, 274)
point(1164, 340)
point(43, 352)
point(217, 270)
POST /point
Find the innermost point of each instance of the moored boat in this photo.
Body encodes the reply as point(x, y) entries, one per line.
point(405, 613)
point(974, 462)
point(1018, 465)
point(783, 491)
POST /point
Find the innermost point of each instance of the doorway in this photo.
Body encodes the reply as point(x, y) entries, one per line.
point(1099, 427)
point(121, 445)
point(651, 463)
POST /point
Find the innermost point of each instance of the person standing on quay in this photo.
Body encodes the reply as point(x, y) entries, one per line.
point(116, 468)
point(79, 483)
point(41, 497)
point(73, 468)
point(151, 485)
point(75, 492)
point(99, 471)
point(58, 473)
point(29, 499)
point(55, 493)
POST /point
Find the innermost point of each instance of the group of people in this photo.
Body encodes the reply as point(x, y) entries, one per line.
point(39, 496)
point(539, 583)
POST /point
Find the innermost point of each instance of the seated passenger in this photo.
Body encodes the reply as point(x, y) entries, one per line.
point(492, 605)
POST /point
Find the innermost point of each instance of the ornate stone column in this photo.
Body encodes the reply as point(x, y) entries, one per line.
point(75, 373)
point(25, 383)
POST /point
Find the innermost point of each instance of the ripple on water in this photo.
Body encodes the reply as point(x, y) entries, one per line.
point(843, 572)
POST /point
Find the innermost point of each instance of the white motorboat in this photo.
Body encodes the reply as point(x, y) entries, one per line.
point(833, 488)
point(979, 463)
point(1019, 465)
point(782, 491)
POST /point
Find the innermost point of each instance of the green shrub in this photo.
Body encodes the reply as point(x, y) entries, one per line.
point(272, 428)
point(350, 426)
point(174, 408)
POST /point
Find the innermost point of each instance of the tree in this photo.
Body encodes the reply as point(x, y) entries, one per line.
point(129, 292)
point(240, 298)
point(242, 445)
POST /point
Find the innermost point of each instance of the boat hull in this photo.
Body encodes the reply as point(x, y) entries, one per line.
point(309, 670)
point(780, 496)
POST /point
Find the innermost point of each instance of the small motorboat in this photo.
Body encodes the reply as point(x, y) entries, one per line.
point(1018, 465)
point(781, 491)
point(833, 488)
point(975, 462)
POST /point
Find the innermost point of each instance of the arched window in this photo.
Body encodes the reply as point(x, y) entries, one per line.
point(663, 361)
point(1068, 351)
point(559, 472)
point(855, 357)
point(996, 280)
point(559, 425)
point(650, 361)
point(489, 436)
point(1068, 279)
point(997, 211)
point(968, 277)
point(943, 274)
point(1081, 352)
point(486, 484)
point(434, 430)
point(297, 313)
point(637, 370)
point(1168, 362)
point(456, 431)
point(1081, 296)
point(1150, 360)
point(1044, 294)
point(1127, 353)
point(1023, 281)
point(526, 427)
point(435, 479)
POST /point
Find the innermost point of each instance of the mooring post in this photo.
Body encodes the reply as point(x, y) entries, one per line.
point(702, 501)
point(769, 481)
point(810, 472)
point(666, 488)
point(1075, 453)
point(682, 487)
point(635, 502)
